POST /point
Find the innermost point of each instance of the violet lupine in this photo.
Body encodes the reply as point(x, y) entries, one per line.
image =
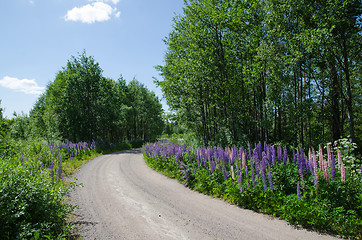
point(51, 169)
point(280, 153)
point(301, 178)
point(361, 172)
point(270, 180)
point(298, 192)
point(285, 156)
point(263, 175)
point(225, 174)
point(272, 152)
point(333, 167)
point(241, 177)
point(59, 172)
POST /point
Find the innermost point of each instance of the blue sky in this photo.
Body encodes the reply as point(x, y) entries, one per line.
point(39, 36)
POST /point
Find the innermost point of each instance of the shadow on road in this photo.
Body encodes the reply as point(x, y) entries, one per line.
point(131, 151)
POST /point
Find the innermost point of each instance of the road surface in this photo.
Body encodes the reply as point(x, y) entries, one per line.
point(122, 198)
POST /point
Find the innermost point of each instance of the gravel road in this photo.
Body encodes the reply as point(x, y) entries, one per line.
point(123, 198)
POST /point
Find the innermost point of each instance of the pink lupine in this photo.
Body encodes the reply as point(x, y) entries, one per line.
point(329, 154)
point(243, 159)
point(321, 158)
point(340, 162)
point(343, 173)
point(315, 169)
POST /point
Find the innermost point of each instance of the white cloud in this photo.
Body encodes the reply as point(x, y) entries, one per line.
point(28, 86)
point(113, 1)
point(90, 13)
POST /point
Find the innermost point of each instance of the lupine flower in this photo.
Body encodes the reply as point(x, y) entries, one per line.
point(333, 167)
point(225, 174)
point(316, 174)
point(329, 155)
point(298, 192)
point(263, 175)
point(270, 180)
point(243, 159)
point(285, 155)
point(340, 162)
point(51, 170)
point(343, 173)
point(280, 153)
point(301, 178)
point(232, 172)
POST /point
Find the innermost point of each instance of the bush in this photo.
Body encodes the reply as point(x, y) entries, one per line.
point(31, 204)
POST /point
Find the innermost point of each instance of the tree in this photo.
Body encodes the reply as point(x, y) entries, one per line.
point(83, 105)
point(273, 70)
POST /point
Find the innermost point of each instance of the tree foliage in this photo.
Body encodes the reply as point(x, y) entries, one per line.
point(83, 105)
point(275, 70)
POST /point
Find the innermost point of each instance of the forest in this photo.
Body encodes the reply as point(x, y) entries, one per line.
point(272, 71)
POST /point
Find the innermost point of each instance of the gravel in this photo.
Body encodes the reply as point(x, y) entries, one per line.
point(122, 198)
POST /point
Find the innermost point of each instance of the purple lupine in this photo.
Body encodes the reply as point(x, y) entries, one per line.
point(301, 178)
point(285, 156)
point(333, 167)
point(225, 174)
point(298, 192)
point(51, 169)
point(259, 148)
point(241, 177)
point(270, 180)
point(263, 175)
point(59, 172)
point(272, 150)
point(280, 153)
point(246, 172)
point(250, 156)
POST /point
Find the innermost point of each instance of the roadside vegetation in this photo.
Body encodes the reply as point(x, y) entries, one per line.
point(317, 189)
point(80, 116)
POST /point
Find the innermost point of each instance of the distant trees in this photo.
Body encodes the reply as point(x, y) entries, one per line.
point(82, 105)
point(274, 70)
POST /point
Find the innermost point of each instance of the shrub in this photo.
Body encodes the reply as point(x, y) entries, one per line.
point(31, 204)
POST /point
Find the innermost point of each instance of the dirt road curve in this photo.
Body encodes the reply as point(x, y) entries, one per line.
point(122, 198)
